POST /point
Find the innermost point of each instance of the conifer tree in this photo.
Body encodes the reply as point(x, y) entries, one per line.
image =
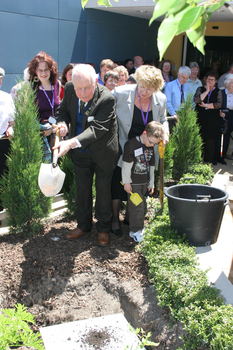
point(186, 140)
point(24, 202)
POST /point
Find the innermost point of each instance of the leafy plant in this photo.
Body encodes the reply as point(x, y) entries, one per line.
point(186, 140)
point(15, 331)
point(200, 173)
point(25, 204)
point(143, 336)
point(183, 288)
point(181, 16)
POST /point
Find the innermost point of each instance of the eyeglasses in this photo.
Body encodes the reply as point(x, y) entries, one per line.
point(211, 79)
point(40, 71)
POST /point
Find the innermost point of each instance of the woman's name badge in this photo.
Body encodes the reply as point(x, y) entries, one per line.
point(138, 152)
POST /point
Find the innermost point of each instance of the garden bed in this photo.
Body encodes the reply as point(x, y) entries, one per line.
point(61, 280)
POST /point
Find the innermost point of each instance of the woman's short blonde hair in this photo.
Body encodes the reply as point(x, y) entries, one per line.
point(122, 69)
point(151, 76)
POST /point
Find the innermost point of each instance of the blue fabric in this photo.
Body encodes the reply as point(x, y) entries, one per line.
point(99, 80)
point(79, 127)
point(167, 82)
point(192, 88)
point(173, 94)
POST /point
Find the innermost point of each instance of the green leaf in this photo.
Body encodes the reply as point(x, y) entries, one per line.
point(100, 3)
point(194, 35)
point(84, 2)
point(163, 6)
point(189, 18)
point(216, 6)
point(200, 44)
point(166, 33)
point(178, 8)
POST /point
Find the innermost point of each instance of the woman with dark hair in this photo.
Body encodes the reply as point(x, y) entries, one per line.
point(111, 79)
point(166, 67)
point(43, 74)
point(65, 77)
point(208, 101)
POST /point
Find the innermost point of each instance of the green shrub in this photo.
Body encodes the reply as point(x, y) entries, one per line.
point(25, 204)
point(183, 288)
point(15, 331)
point(201, 174)
point(186, 141)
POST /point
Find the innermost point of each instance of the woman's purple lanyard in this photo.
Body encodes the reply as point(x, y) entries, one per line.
point(208, 99)
point(182, 94)
point(144, 118)
point(51, 103)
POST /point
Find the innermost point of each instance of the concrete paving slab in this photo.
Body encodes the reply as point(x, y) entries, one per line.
point(112, 332)
point(219, 256)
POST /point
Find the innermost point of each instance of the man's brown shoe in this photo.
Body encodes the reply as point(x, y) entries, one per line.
point(76, 233)
point(103, 238)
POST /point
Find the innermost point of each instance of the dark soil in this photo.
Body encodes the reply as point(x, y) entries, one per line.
point(60, 280)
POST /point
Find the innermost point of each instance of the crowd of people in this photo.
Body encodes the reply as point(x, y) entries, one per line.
point(111, 124)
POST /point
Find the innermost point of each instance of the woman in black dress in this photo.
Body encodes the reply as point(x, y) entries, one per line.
point(208, 101)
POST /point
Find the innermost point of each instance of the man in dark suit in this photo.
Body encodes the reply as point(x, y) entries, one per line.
point(89, 109)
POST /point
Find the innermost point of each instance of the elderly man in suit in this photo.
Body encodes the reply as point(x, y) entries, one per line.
point(89, 109)
point(176, 92)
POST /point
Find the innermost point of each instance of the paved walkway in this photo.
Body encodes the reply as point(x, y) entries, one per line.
point(219, 256)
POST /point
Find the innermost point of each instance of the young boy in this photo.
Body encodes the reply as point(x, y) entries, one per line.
point(138, 173)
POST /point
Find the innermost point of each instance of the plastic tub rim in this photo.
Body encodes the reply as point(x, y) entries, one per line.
point(194, 200)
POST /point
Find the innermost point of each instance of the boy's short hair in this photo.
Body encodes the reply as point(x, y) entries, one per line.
point(155, 129)
point(107, 62)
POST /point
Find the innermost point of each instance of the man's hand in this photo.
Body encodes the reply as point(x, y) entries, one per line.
point(63, 129)
point(128, 188)
point(166, 138)
point(47, 132)
point(151, 190)
point(9, 132)
point(222, 114)
point(65, 146)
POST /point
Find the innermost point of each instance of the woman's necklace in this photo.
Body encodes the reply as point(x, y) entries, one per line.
point(144, 118)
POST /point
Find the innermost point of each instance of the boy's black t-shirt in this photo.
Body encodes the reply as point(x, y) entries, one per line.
point(133, 153)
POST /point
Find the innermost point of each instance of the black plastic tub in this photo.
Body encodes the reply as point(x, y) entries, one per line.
point(197, 211)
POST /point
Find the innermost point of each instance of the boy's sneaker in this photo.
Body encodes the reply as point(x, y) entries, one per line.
point(131, 234)
point(137, 236)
